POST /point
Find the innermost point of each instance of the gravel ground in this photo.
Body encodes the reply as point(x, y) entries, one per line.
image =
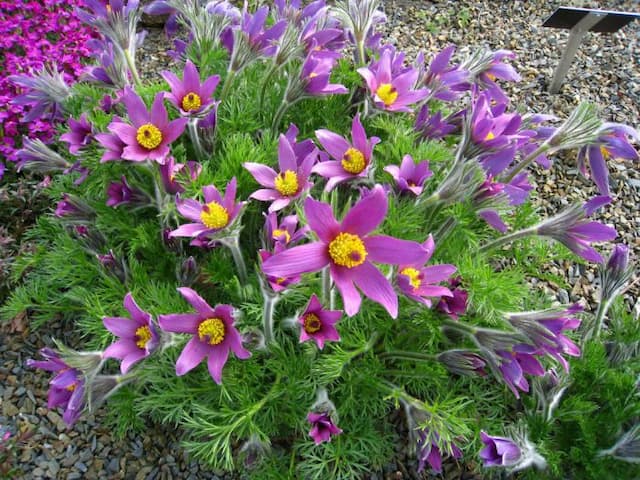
point(605, 71)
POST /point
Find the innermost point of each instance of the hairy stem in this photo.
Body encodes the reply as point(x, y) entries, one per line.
point(270, 302)
point(233, 244)
point(498, 242)
point(195, 139)
point(132, 68)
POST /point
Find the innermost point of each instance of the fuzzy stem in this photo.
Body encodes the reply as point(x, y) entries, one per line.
point(233, 244)
point(284, 106)
point(460, 327)
point(526, 162)
point(132, 68)
point(603, 308)
point(406, 355)
point(326, 286)
point(195, 139)
point(270, 302)
point(263, 88)
point(498, 242)
point(227, 84)
point(359, 51)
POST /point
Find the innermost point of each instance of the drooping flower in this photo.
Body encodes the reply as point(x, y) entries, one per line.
point(175, 175)
point(75, 209)
point(138, 335)
point(214, 335)
point(121, 193)
point(79, 135)
point(287, 185)
point(571, 228)
point(455, 305)
point(189, 95)
point(318, 324)
point(215, 215)
point(499, 451)
point(410, 177)
point(611, 143)
point(348, 250)
point(151, 132)
point(392, 93)
point(301, 149)
point(418, 282)
point(352, 159)
point(514, 363)
point(316, 74)
point(35, 156)
point(66, 388)
point(46, 92)
point(322, 427)
point(463, 362)
point(429, 451)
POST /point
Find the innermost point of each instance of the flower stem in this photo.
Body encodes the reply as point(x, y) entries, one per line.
point(265, 82)
point(270, 302)
point(406, 355)
point(284, 106)
point(233, 244)
point(326, 286)
point(603, 308)
point(498, 242)
point(227, 84)
point(132, 68)
point(195, 139)
point(526, 162)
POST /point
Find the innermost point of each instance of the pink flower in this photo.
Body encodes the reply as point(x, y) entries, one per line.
point(318, 324)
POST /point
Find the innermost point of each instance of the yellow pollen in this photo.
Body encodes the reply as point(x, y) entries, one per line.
point(490, 136)
point(312, 75)
point(281, 280)
point(278, 233)
point(71, 387)
point(387, 93)
point(214, 215)
point(312, 323)
point(414, 276)
point(605, 153)
point(353, 161)
point(212, 331)
point(491, 76)
point(191, 101)
point(347, 250)
point(149, 136)
point(108, 7)
point(287, 183)
point(143, 334)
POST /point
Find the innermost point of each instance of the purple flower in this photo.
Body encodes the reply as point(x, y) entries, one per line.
point(46, 92)
point(444, 82)
point(215, 215)
point(348, 250)
point(66, 207)
point(611, 143)
point(499, 451)
point(392, 93)
point(318, 324)
point(463, 362)
point(284, 233)
point(287, 185)
point(151, 133)
point(74, 209)
point(79, 135)
point(138, 335)
point(213, 333)
point(457, 304)
point(352, 159)
point(515, 363)
point(410, 177)
point(301, 149)
point(175, 175)
point(277, 284)
point(418, 282)
point(120, 193)
point(571, 228)
point(114, 146)
point(190, 96)
point(429, 451)
point(66, 388)
point(322, 427)
point(433, 126)
point(316, 74)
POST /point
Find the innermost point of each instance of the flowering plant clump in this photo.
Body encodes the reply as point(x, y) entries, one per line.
point(333, 238)
point(33, 35)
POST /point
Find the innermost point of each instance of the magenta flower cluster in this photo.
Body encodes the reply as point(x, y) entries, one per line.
point(34, 34)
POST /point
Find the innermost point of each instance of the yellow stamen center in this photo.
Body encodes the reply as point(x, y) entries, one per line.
point(491, 76)
point(387, 93)
point(280, 280)
point(347, 250)
point(606, 154)
point(143, 335)
point(287, 183)
point(214, 215)
point(277, 233)
point(71, 387)
point(191, 101)
point(312, 323)
point(149, 136)
point(414, 276)
point(353, 161)
point(490, 136)
point(211, 331)
point(312, 75)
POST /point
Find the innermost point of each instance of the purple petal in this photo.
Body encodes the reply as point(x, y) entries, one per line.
point(197, 302)
point(120, 326)
point(193, 353)
point(121, 349)
point(333, 143)
point(367, 214)
point(136, 312)
point(351, 299)
point(286, 155)
point(130, 359)
point(376, 286)
point(217, 358)
point(321, 220)
point(390, 250)
point(180, 322)
point(264, 175)
point(297, 260)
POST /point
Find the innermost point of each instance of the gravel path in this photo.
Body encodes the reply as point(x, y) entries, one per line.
point(605, 71)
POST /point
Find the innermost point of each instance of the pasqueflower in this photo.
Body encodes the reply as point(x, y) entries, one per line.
point(79, 135)
point(216, 214)
point(151, 132)
point(175, 175)
point(285, 233)
point(189, 95)
point(66, 388)
point(318, 324)
point(121, 193)
point(138, 335)
point(287, 185)
point(410, 177)
point(213, 333)
point(352, 159)
point(348, 250)
point(499, 451)
point(322, 427)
